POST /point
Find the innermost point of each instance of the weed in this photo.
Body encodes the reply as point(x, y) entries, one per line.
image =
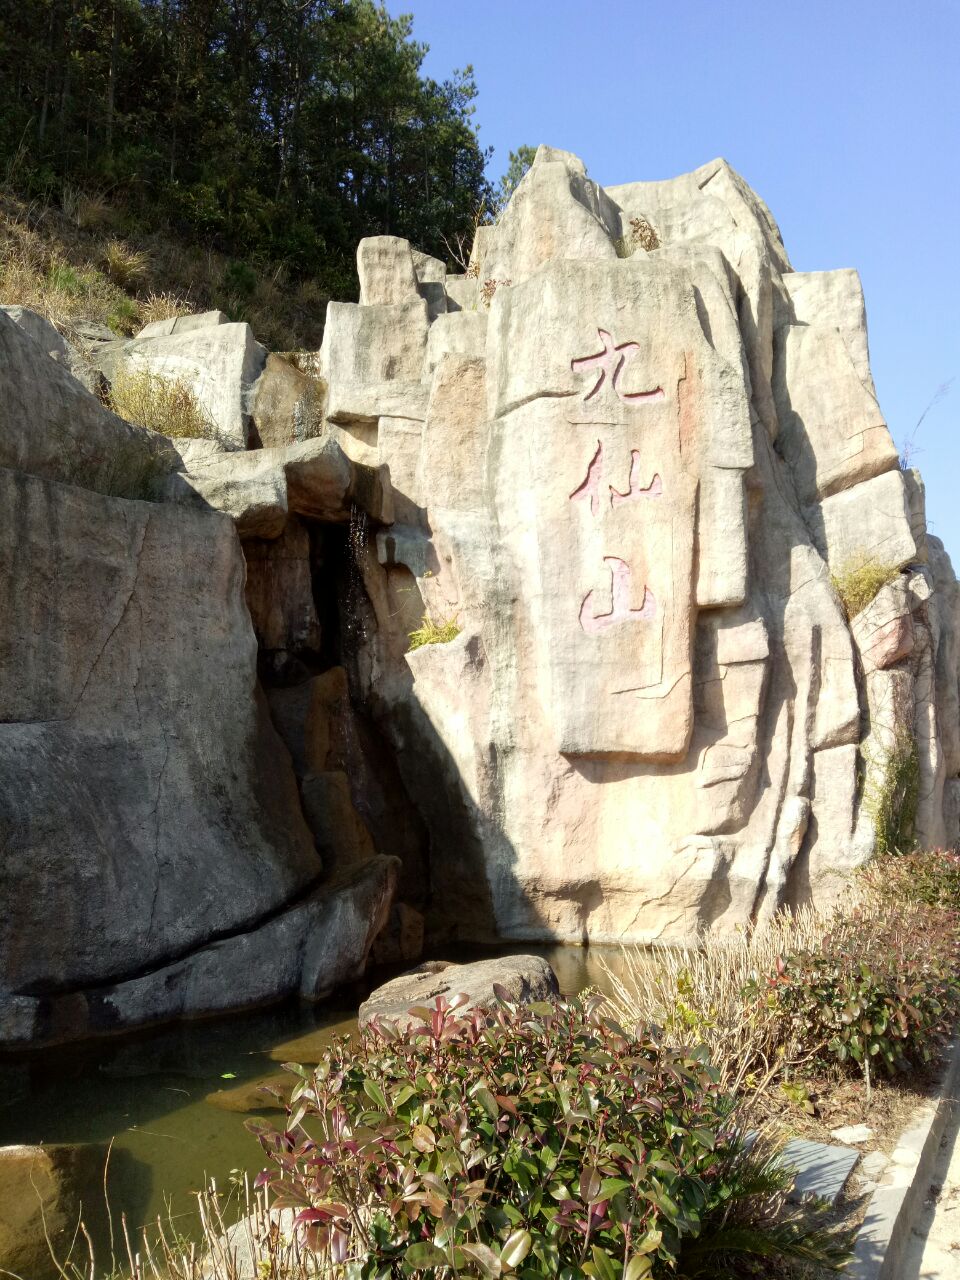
point(892, 795)
point(162, 306)
point(430, 632)
point(489, 288)
point(166, 405)
point(125, 266)
point(642, 235)
point(858, 581)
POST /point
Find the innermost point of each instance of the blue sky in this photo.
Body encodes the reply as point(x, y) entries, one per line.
point(844, 116)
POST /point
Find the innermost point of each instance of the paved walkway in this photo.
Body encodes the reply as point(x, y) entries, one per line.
point(933, 1252)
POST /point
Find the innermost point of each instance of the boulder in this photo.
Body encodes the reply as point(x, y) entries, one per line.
point(259, 489)
point(386, 271)
point(287, 404)
point(45, 1191)
point(220, 362)
point(316, 944)
point(56, 346)
point(524, 978)
point(51, 426)
point(147, 804)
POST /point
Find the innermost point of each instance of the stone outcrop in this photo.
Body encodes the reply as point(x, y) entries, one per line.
point(44, 1193)
point(521, 979)
point(617, 466)
point(157, 860)
point(629, 449)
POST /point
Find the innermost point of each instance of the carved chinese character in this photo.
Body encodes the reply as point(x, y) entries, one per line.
point(590, 488)
point(610, 361)
point(620, 610)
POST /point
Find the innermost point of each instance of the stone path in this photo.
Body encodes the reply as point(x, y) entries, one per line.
point(933, 1251)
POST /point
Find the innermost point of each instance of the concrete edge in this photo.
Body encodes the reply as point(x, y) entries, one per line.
point(892, 1210)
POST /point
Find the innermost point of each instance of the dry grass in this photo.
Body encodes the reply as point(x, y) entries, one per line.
point(61, 262)
point(859, 580)
point(697, 995)
point(237, 1236)
point(163, 306)
point(166, 405)
point(124, 265)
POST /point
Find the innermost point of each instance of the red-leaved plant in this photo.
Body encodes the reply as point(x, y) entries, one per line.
point(542, 1140)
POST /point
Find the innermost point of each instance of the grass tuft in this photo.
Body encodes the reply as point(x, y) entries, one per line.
point(859, 580)
point(125, 266)
point(166, 405)
point(162, 306)
point(430, 632)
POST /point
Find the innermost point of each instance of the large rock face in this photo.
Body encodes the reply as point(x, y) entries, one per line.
point(628, 449)
point(624, 454)
point(154, 855)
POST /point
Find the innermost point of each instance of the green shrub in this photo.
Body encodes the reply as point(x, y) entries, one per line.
point(430, 632)
point(882, 988)
point(537, 1141)
point(930, 877)
point(859, 579)
point(166, 405)
point(543, 1136)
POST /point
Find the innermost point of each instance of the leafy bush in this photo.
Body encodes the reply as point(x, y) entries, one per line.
point(430, 632)
point(540, 1141)
point(166, 405)
point(931, 877)
point(858, 581)
point(883, 987)
point(874, 983)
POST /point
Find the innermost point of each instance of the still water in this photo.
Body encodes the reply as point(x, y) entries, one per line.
point(174, 1100)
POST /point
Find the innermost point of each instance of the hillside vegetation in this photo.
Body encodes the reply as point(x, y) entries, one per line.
point(188, 154)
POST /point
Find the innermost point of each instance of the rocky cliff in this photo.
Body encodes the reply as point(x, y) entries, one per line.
point(631, 447)
point(623, 459)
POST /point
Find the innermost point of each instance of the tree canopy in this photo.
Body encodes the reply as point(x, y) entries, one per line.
point(275, 129)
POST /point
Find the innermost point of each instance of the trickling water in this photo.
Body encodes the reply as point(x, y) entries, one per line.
point(354, 624)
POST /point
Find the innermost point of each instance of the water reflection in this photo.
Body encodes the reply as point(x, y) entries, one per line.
point(175, 1099)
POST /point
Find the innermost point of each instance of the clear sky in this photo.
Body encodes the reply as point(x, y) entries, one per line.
point(844, 116)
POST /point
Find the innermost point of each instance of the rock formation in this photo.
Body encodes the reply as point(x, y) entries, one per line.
point(629, 447)
point(619, 458)
point(156, 859)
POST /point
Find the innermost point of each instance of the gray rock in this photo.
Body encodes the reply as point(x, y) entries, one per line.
point(146, 804)
point(220, 362)
point(822, 1171)
point(258, 489)
point(51, 426)
point(313, 946)
point(56, 346)
point(526, 978)
point(852, 1134)
point(44, 1192)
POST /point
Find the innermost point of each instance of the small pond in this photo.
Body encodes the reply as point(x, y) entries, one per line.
point(174, 1100)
